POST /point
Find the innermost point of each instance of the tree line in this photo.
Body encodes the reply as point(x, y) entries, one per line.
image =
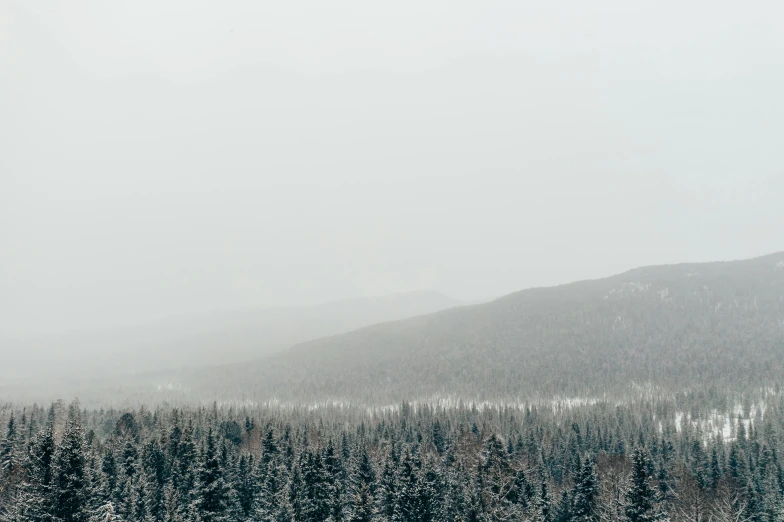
point(598, 462)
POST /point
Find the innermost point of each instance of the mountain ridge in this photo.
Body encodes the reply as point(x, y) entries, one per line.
point(715, 326)
point(669, 321)
point(207, 338)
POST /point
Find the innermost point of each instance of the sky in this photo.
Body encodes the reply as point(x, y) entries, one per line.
point(176, 156)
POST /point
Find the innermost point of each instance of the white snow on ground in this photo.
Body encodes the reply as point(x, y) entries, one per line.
point(719, 424)
point(629, 289)
point(169, 386)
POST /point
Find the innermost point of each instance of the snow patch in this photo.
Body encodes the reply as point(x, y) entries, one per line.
point(628, 289)
point(720, 424)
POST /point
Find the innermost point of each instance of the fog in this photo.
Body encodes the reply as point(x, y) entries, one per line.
point(168, 157)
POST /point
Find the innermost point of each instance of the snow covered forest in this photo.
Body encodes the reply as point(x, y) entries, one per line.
point(574, 462)
point(410, 261)
point(540, 406)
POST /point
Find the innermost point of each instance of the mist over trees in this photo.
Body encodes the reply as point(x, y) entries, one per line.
point(225, 228)
point(45, 361)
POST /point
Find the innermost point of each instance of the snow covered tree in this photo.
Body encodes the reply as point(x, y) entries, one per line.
point(362, 489)
point(407, 502)
point(172, 508)
point(585, 493)
point(105, 513)
point(70, 479)
point(543, 504)
point(8, 450)
point(212, 498)
point(642, 499)
point(387, 489)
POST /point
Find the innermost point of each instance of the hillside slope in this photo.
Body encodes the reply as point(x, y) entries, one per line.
point(674, 327)
point(195, 340)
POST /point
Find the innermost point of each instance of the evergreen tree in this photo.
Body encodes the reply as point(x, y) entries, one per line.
point(8, 451)
point(407, 502)
point(38, 490)
point(105, 513)
point(246, 484)
point(642, 501)
point(336, 473)
point(543, 503)
point(272, 502)
point(316, 489)
point(563, 510)
point(438, 437)
point(172, 507)
point(388, 488)
point(585, 493)
point(70, 480)
point(715, 470)
point(362, 490)
point(429, 491)
point(212, 499)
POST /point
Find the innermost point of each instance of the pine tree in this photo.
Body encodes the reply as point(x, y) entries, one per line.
point(563, 510)
point(362, 490)
point(106, 513)
point(429, 491)
point(407, 505)
point(211, 495)
point(38, 499)
point(10, 494)
point(272, 503)
point(153, 467)
point(185, 464)
point(136, 505)
point(172, 508)
point(313, 499)
point(70, 480)
point(715, 469)
point(8, 451)
point(585, 493)
point(336, 473)
point(246, 484)
point(29, 500)
point(543, 503)
point(438, 437)
point(642, 501)
point(387, 489)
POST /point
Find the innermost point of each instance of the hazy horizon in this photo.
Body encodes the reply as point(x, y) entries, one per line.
point(164, 158)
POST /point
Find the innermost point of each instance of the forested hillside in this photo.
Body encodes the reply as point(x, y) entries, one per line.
point(542, 463)
point(666, 328)
point(657, 330)
point(47, 363)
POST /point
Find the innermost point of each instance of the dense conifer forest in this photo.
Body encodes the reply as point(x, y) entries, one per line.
point(558, 462)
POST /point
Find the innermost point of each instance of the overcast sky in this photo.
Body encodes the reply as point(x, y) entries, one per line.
point(168, 156)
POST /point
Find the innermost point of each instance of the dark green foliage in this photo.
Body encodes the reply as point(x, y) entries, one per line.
point(642, 498)
point(70, 480)
point(535, 463)
point(212, 499)
point(585, 494)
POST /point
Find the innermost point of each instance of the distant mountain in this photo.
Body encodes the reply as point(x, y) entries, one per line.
point(199, 339)
point(706, 326)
